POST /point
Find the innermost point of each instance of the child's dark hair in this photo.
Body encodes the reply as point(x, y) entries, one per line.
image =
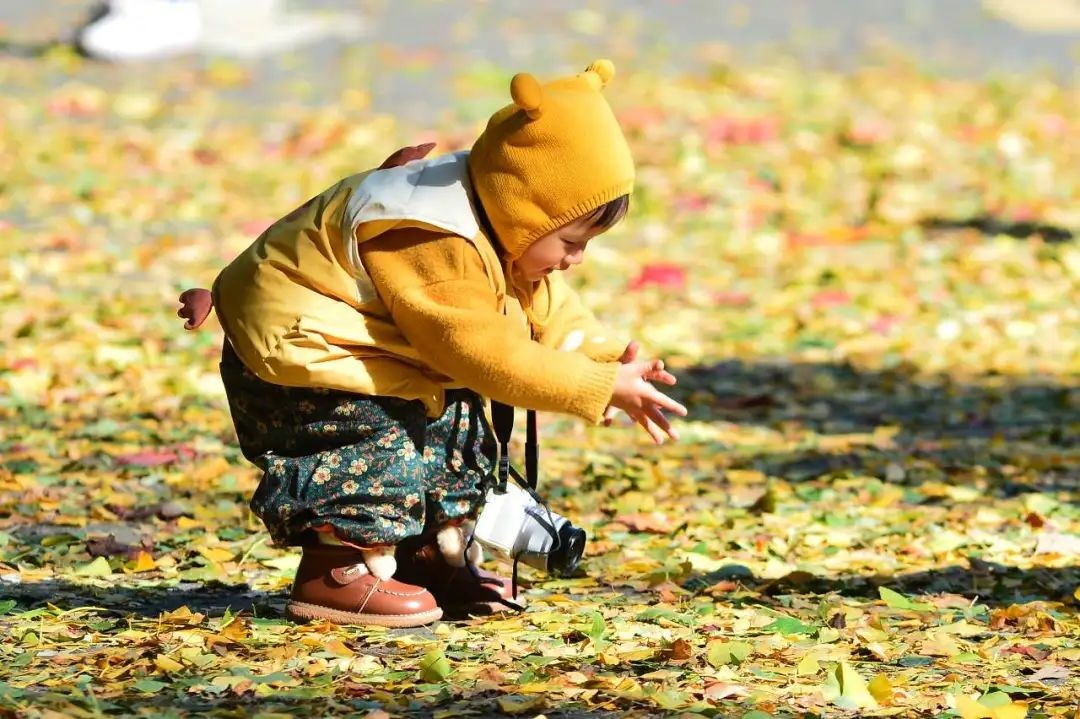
point(605, 217)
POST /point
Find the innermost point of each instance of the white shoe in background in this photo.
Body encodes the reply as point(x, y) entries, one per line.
point(134, 30)
point(254, 28)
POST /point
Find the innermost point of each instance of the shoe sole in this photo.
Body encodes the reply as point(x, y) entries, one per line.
point(304, 612)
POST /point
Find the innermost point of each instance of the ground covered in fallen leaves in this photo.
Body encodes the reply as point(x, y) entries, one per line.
point(867, 284)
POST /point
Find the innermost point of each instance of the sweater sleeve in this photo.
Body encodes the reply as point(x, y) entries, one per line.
point(439, 296)
point(573, 327)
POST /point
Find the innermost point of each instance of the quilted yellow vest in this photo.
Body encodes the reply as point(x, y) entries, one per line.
point(299, 309)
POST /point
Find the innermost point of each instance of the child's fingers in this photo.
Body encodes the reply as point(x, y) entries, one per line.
point(667, 403)
point(655, 432)
point(662, 422)
point(653, 413)
point(663, 377)
point(609, 415)
point(657, 373)
point(646, 368)
point(630, 353)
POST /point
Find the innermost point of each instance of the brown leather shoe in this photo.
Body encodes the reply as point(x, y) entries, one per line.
point(328, 586)
point(456, 590)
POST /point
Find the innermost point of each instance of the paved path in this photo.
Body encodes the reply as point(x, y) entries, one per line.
point(424, 44)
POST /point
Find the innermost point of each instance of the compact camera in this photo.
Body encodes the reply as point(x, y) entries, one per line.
point(515, 525)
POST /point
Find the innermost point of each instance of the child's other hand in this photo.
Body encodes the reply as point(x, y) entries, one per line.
point(630, 355)
point(195, 306)
point(635, 395)
point(406, 155)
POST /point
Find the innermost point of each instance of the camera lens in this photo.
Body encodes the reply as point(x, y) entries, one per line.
point(564, 559)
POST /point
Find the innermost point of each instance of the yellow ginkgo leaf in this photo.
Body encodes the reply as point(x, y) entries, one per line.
point(845, 688)
point(335, 646)
point(880, 688)
point(167, 664)
point(520, 705)
point(217, 554)
point(144, 563)
point(808, 665)
point(237, 630)
point(969, 708)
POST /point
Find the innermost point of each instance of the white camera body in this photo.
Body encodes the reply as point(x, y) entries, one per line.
point(515, 526)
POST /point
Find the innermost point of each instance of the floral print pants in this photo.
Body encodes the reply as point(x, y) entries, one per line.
point(373, 470)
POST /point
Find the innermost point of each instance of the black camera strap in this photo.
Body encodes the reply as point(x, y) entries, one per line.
point(502, 420)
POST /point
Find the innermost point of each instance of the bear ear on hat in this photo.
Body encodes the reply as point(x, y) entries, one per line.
point(525, 90)
point(600, 72)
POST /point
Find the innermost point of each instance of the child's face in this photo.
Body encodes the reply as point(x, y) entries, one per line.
point(558, 250)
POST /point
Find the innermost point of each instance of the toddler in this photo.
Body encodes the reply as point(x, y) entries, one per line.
point(364, 330)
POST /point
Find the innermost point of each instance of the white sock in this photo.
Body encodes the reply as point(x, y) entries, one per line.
point(380, 561)
point(451, 541)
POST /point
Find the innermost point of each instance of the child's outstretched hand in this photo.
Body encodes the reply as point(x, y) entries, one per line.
point(195, 306)
point(639, 399)
point(630, 354)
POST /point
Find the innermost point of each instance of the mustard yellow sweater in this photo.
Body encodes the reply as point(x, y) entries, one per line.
point(440, 317)
point(438, 294)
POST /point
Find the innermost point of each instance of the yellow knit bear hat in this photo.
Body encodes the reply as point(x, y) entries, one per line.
point(554, 155)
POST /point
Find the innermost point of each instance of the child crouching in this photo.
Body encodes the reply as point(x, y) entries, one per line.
point(365, 329)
